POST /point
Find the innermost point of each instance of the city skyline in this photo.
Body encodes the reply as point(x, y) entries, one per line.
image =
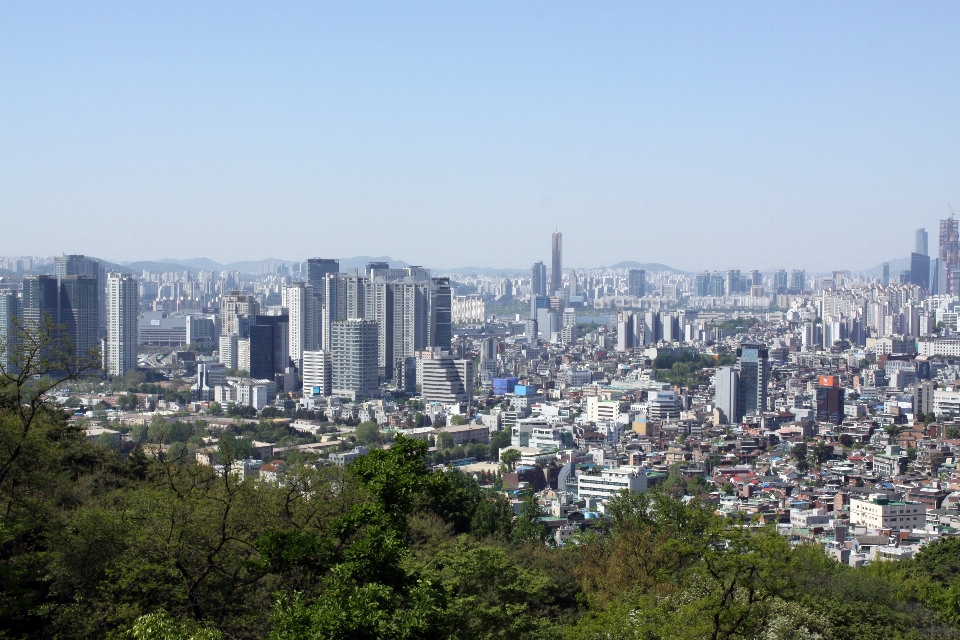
point(676, 128)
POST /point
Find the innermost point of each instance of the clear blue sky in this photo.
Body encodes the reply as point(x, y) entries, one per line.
point(698, 134)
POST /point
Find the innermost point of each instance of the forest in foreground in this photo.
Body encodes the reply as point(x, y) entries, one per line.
point(95, 546)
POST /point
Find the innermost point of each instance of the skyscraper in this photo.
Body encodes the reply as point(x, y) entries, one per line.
point(269, 346)
point(636, 283)
point(538, 280)
point(234, 306)
point(79, 313)
point(80, 265)
point(441, 308)
point(798, 280)
point(726, 394)
point(921, 242)
point(11, 315)
point(354, 358)
point(733, 281)
point(780, 280)
point(830, 399)
point(317, 270)
point(123, 310)
point(40, 301)
point(885, 278)
point(756, 278)
point(556, 263)
point(950, 253)
point(920, 270)
point(301, 304)
point(752, 368)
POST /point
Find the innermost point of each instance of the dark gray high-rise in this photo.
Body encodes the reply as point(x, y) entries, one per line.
point(80, 265)
point(538, 279)
point(752, 368)
point(637, 283)
point(441, 311)
point(556, 263)
point(920, 270)
point(79, 312)
point(317, 270)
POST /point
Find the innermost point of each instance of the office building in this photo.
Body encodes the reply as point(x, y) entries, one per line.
point(756, 278)
point(301, 304)
point(950, 253)
point(375, 266)
point(210, 375)
point(40, 301)
point(269, 346)
point(780, 281)
point(798, 280)
point(234, 308)
point(701, 284)
point(228, 351)
point(317, 372)
point(556, 263)
point(79, 265)
point(921, 242)
point(753, 368)
point(717, 283)
point(885, 277)
point(878, 512)
point(726, 394)
point(80, 313)
point(446, 380)
point(441, 310)
point(636, 283)
point(733, 281)
point(123, 312)
point(920, 270)
point(538, 280)
point(829, 400)
point(11, 317)
point(317, 271)
point(354, 358)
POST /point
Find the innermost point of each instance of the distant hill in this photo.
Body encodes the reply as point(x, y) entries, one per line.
point(247, 266)
point(648, 266)
point(896, 266)
point(486, 271)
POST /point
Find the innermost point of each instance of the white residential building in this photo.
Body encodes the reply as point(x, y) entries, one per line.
point(123, 311)
point(317, 371)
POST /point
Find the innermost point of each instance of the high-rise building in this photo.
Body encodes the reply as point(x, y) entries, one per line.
point(920, 270)
point(371, 266)
point(733, 281)
point(701, 284)
point(11, 317)
point(651, 327)
point(441, 309)
point(269, 346)
point(885, 277)
point(301, 304)
point(123, 312)
point(753, 369)
point(40, 301)
point(829, 400)
point(80, 313)
point(921, 242)
point(447, 380)
point(79, 265)
point(354, 358)
point(950, 253)
point(233, 307)
point(538, 280)
point(556, 263)
point(780, 281)
point(756, 278)
point(568, 326)
point(636, 283)
point(228, 351)
point(726, 394)
point(317, 371)
point(798, 280)
point(629, 330)
point(717, 285)
point(317, 270)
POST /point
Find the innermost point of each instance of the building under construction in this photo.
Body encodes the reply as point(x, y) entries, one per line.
point(950, 253)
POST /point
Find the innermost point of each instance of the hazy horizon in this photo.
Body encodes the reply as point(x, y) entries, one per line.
point(699, 135)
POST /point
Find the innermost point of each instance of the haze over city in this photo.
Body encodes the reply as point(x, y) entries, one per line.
point(818, 134)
